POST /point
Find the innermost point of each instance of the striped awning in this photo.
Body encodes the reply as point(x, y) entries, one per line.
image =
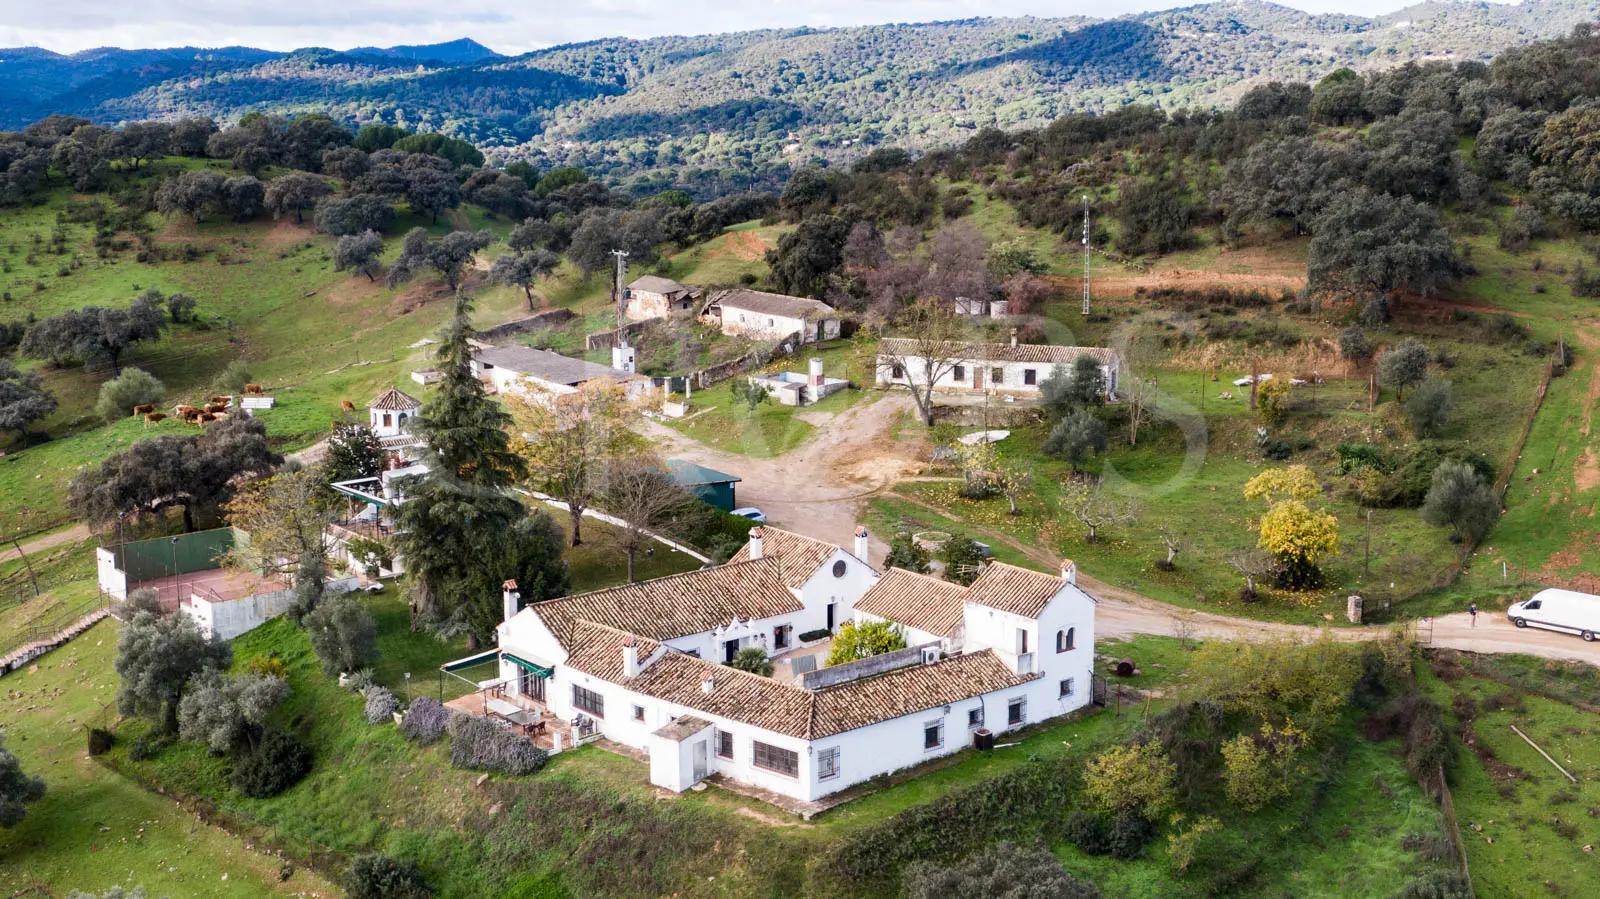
point(530, 667)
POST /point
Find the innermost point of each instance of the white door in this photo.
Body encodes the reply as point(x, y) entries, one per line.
point(700, 768)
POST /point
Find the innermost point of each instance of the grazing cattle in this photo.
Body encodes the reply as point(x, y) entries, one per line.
point(214, 408)
point(347, 406)
point(144, 409)
point(184, 410)
point(207, 418)
point(221, 400)
point(153, 418)
point(253, 389)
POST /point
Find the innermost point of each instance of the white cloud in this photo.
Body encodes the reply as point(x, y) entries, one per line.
point(507, 27)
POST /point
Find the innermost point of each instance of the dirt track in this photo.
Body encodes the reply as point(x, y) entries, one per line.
point(820, 488)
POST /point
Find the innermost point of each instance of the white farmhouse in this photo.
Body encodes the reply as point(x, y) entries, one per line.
point(653, 297)
point(641, 665)
point(541, 374)
point(770, 316)
point(1015, 368)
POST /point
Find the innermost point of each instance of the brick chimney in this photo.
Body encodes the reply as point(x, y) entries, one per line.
point(1013, 336)
point(708, 683)
point(755, 542)
point(510, 599)
point(861, 542)
point(1069, 571)
point(630, 656)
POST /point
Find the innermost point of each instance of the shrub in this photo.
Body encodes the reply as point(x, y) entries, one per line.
point(1088, 831)
point(274, 765)
point(1353, 343)
point(144, 599)
point(1435, 885)
point(99, 741)
point(146, 746)
point(963, 559)
point(381, 704)
point(1185, 847)
point(377, 876)
point(860, 641)
point(359, 681)
point(234, 377)
point(904, 552)
point(1137, 778)
point(482, 745)
point(425, 721)
point(1000, 870)
point(1428, 407)
point(343, 635)
point(1129, 834)
point(267, 666)
point(754, 660)
point(134, 387)
point(820, 633)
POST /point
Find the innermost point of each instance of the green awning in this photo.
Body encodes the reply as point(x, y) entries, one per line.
point(470, 661)
point(525, 665)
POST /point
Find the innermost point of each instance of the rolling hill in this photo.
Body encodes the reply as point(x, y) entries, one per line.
point(764, 99)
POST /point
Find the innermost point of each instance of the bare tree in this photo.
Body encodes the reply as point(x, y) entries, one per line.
point(1183, 627)
point(1174, 543)
point(1094, 508)
point(1250, 563)
point(646, 499)
point(928, 347)
point(1013, 481)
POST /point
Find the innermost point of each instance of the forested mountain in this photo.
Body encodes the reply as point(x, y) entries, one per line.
point(753, 103)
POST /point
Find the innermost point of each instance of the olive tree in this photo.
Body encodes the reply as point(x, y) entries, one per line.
point(1460, 500)
point(157, 658)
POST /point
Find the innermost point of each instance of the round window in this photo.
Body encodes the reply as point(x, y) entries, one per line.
point(839, 568)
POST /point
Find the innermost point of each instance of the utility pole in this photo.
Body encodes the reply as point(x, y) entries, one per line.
point(1085, 254)
point(617, 290)
point(1366, 562)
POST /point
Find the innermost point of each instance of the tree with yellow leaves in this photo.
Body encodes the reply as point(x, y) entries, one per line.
point(1291, 482)
point(1139, 778)
point(1299, 537)
point(572, 440)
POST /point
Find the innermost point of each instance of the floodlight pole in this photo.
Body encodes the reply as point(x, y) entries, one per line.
point(1085, 254)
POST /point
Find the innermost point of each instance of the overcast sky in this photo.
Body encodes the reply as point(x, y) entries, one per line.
point(504, 25)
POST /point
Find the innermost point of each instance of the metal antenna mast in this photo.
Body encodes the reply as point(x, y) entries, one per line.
point(1085, 254)
point(617, 292)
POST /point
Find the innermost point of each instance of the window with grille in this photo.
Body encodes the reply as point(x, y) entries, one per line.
point(724, 744)
point(997, 376)
point(1066, 687)
point(776, 758)
point(1016, 710)
point(960, 373)
point(638, 713)
point(828, 763)
point(1030, 377)
point(975, 717)
point(588, 701)
point(933, 735)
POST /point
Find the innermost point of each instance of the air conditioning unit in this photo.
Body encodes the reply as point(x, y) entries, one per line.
point(930, 654)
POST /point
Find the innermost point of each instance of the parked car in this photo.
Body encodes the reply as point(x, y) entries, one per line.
point(1559, 610)
point(752, 513)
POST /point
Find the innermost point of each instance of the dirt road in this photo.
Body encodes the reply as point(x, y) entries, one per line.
point(820, 488)
point(48, 541)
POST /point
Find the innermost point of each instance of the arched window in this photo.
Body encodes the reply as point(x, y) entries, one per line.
point(1064, 640)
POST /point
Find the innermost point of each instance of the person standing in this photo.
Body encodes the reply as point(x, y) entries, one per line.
point(1472, 609)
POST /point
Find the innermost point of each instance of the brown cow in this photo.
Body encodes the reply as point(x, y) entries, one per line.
point(253, 389)
point(184, 410)
point(144, 409)
point(207, 418)
point(214, 408)
point(153, 418)
point(221, 400)
point(347, 406)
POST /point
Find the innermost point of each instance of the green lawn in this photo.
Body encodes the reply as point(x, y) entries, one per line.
point(772, 429)
point(95, 829)
point(1524, 825)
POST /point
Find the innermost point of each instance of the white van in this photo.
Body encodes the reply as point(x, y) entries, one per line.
point(1559, 610)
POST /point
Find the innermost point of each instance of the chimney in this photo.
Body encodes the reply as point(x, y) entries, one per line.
point(708, 682)
point(1069, 571)
point(755, 542)
point(1013, 336)
point(510, 599)
point(815, 370)
point(630, 656)
point(861, 542)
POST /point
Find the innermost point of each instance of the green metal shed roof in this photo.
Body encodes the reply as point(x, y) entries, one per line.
point(687, 474)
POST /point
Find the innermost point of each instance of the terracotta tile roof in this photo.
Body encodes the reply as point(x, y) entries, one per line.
point(905, 691)
point(1012, 589)
point(770, 303)
point(915, 600)
point(784, 708)
point(1002, 352)
point(679, 604)
point(393, 400)
point(801, 555)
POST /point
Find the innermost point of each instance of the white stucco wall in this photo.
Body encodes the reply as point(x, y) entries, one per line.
point(113, 580)
point(1014, 375)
